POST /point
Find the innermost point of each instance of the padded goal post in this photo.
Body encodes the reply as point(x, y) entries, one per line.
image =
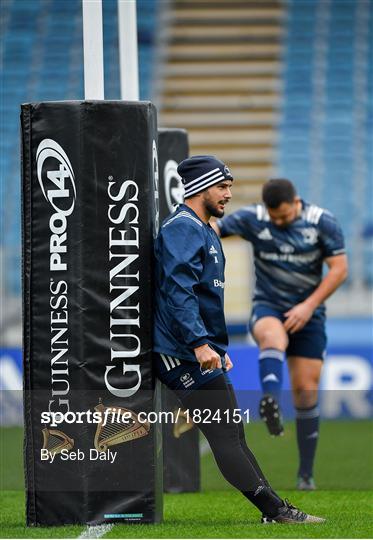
point(181, 440)
point(90, 214)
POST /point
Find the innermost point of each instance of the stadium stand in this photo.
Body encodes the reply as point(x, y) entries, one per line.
point(272, 87)
point(42, 60)
point(326, 130)
point(220, 79)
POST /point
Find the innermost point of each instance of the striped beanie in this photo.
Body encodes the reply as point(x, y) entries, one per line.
point(201, 172)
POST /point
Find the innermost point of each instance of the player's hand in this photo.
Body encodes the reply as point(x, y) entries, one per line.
point(297, 317)
point(228, 363)
point(207, 357)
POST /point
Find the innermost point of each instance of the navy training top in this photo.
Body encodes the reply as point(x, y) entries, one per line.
point(288, 261)
point(189, 287)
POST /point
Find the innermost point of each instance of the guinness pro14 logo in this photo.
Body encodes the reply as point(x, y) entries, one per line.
point(57, 182)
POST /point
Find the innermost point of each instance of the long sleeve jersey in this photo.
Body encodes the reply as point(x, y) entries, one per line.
point(189, 287)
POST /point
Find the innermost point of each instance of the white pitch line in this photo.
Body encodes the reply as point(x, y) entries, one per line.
point(96, 531)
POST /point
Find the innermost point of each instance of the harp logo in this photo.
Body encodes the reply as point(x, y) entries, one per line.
point(54, 441)
point(57, 182)
point(118, 430)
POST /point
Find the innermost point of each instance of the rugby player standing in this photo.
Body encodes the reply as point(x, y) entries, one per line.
point(190, 336)
point(291, 240)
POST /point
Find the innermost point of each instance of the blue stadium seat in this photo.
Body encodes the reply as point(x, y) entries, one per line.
point(336, 124)
point(48, 66)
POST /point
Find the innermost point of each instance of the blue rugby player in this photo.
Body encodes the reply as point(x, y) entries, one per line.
point(291, 240)
point(190, 336)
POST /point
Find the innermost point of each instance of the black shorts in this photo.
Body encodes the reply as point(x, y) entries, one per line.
point(184, 375)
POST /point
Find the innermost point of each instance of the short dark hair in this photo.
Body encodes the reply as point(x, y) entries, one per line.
point(277, 191)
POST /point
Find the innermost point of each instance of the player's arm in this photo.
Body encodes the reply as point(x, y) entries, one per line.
point(182, 267)
point(238, 223)
point(332, 245)
point(300, 314)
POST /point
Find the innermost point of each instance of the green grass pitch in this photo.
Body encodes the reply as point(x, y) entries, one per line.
point(343, 472)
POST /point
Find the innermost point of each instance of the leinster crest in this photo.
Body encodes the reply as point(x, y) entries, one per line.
point(309, 235)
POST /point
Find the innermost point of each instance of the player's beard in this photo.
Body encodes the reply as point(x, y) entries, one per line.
point(213, 209)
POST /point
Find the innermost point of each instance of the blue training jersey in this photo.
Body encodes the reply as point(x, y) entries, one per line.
point(288, 261)
point(189, 287)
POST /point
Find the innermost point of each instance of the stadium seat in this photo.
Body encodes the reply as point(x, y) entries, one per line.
point(44, 62)
point(320, 100)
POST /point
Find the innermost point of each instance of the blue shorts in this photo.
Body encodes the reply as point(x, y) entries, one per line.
point(184, 375)
point(309, 342)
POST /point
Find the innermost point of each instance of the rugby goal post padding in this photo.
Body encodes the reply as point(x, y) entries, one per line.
point(90, 214)
point(181, 439)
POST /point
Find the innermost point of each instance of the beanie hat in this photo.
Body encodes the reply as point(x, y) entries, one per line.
point(201, 172)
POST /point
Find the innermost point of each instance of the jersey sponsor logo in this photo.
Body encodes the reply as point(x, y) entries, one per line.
point(287, 248)
point(218, 283)
point(187, 380)
point(310, 235)
point(265, 234)
point(290, 257)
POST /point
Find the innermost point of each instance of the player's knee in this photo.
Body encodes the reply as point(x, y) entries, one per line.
point(305, 386)
point(305, 393)
point(271, 339)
